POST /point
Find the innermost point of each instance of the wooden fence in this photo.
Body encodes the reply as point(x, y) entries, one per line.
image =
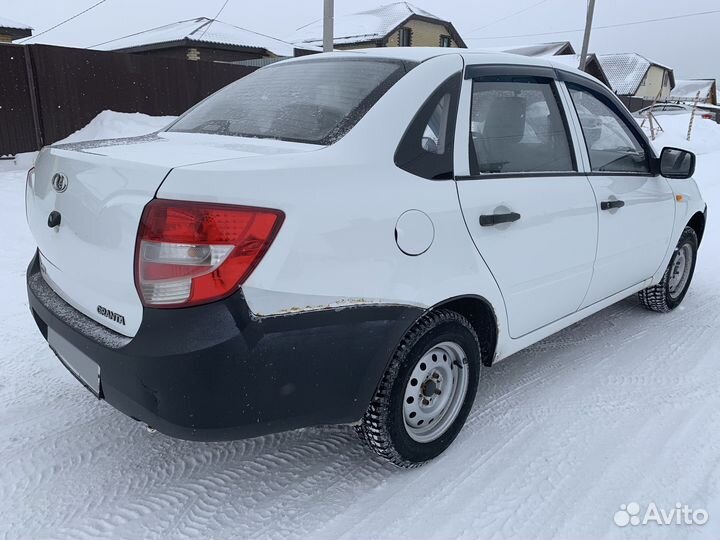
point(48, 92)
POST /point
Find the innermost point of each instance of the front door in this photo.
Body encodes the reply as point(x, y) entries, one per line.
point(637, 209)
point(530, 212)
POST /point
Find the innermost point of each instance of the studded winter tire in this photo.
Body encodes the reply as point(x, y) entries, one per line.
point(669, 293)
point(427, 391)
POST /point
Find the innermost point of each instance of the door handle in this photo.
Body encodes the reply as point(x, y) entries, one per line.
point(609, 205)
point(497, 219)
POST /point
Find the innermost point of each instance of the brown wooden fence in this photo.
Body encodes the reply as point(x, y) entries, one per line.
point(48, 92)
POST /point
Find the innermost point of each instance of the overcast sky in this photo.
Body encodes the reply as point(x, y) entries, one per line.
point(689, 45)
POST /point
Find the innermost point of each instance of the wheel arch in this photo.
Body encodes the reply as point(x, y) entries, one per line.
point(697, 223)
point(481, 315)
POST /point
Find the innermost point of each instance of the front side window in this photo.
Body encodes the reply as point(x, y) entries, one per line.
point(518, 127)
point(311, 101)
point(611, 144)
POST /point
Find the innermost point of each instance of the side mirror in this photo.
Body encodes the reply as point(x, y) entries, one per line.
point(676, 163)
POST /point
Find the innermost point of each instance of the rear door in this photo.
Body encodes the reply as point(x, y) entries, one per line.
point(529, 209)
point(636, 207)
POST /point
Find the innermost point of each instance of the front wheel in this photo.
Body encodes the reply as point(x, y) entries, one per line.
point(427, 391)
point(671, 290)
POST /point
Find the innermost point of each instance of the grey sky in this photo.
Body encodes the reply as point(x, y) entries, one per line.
point(689, 45)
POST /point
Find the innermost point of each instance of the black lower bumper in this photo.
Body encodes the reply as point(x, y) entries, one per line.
point(215, 372)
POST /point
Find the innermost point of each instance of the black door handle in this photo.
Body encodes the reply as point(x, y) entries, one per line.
point(496, 219)
point(609, 205)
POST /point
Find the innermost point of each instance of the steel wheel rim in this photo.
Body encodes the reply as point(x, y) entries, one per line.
point(435, 392)
point(680, 270)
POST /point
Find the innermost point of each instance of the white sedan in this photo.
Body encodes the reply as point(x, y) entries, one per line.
point(348, 238)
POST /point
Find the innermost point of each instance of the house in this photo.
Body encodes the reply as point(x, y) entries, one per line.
point(399, 24)
point(555, 48)
point(11, 30)
point(704, 90)
point(559, 51)
point(201, 39)
point(592, 65)
point(633, 75)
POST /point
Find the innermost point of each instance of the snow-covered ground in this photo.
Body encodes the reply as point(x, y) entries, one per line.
point(621, 407)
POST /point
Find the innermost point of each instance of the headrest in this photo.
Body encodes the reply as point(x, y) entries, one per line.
point(505, 121)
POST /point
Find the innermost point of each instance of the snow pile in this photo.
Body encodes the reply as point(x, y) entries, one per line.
point(705, 138)
point(116, 125)
point(106, 125)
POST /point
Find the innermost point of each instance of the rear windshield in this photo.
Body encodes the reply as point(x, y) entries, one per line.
point(310, 101)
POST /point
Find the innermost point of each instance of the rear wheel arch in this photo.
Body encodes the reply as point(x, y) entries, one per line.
point(697, 223)
point(481, 315)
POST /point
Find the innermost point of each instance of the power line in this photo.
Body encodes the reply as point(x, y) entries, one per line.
point(509, 16)
point(646, 21)
point(63, 22)
point(214, 18)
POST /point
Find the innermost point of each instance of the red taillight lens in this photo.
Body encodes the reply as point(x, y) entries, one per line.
point(708, 116)
point(192, 253)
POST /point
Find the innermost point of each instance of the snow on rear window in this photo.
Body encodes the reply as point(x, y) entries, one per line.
point(313, 101)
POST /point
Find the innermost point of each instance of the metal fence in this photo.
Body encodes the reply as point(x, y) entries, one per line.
point(48, 92)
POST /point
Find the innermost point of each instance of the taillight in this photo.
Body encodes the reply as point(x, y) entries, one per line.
point(191, 253)
point(708, 116)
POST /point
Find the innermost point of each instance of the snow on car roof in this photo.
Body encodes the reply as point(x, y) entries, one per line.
point(625, 71)
point(200, 30)
point(9, 23)
point(367, 25)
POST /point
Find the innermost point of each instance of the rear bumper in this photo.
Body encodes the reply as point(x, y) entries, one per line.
point(215, 372)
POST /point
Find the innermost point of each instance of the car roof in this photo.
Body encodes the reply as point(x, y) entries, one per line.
point(471, 56)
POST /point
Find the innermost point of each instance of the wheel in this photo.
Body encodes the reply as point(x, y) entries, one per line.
point(671, 290)
point(427, 391)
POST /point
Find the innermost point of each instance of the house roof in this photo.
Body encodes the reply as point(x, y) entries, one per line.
point(687, 90)
point(365, 26)
point(198, 31)
point(538, 49)
point(9, 23)
point(626, 71)
point(593, 66)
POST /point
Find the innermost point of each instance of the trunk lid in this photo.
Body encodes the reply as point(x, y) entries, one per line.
point(100, 191)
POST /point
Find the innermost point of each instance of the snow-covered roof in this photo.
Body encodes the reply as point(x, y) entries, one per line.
point(9, 23)
point(687, 90)
point(626, 71)
point(537, 49)
point(363, 26)
point(200, 30)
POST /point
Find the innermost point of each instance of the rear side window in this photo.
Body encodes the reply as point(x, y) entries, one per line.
point(426, 149)
point(518, 127)
point(611, 144)
point(311, 101)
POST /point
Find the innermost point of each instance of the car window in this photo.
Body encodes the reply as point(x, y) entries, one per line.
point(611, 144)
point(517, 127)
point(435, 135)
point(312, 101)
point(426, 149)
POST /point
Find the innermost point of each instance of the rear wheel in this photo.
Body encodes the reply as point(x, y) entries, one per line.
point(427, 391)
point(669, 293)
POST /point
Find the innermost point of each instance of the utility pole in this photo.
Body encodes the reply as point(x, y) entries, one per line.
point(328, 25)
point(586, 38)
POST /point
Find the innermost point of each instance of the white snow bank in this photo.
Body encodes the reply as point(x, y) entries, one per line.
point(705, 137)
point(115, 125)
point(106, 125)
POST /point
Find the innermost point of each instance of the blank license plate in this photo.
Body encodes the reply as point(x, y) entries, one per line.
point(81, 365)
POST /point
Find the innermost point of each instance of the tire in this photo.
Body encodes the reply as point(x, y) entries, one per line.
point(439, 353)
point(669, 293)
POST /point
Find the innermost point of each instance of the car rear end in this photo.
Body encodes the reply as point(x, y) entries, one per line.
point(141, 297)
